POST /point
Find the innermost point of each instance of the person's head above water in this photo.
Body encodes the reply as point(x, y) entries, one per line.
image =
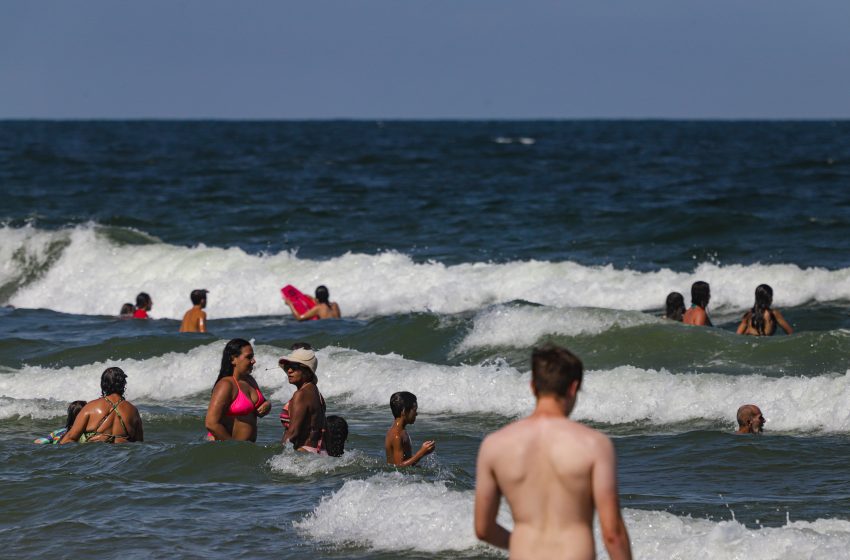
point(73, 410)
point(113, 381)
point(304, 345)
point(674, 307)
point(403, 402)
point(750, 419)
point(144, 301)
point(127, 309)
point(700, 294)
point(764, 299)
point(554, 371)
point(232, 350)
point(322, 294)
point(335, 436)
point(199, 297)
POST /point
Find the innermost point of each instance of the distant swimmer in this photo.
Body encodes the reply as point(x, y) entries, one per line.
point(697, 315)
point(195, 320)
point(750, 420)
point(336, 435)
point(761, 320)
point(674, 307)
point(303, 417)
point(553, 471)
point(144, 303)
point(55, 436)
point(324, 309)
point(109, 419)
point(397, 443)
point(236, 400)
point(127, 310)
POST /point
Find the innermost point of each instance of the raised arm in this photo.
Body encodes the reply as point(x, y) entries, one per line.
point(221, 398)
point(309, 314)
point(780, 320)
point(487, 499)
point(607, 502)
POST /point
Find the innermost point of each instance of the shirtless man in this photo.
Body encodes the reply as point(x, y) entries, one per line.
point(324, 308)
point(109, 419)
point(397, 442)
point(195, 320)
point(696, 315)
point(554, 472)
point(750, 420)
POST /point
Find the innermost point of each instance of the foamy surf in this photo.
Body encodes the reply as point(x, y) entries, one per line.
point(83, 271)
point(300, 464)
point(622, 395)
point(366, 513)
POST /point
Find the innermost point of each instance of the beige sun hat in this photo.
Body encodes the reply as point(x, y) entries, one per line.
point(301, 356)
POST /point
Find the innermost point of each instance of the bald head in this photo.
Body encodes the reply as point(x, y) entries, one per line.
point(750, 419)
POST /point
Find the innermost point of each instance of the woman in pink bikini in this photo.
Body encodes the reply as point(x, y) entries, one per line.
point(303, 417)
point(236, 400)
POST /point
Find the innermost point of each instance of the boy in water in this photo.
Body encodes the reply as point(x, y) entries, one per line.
point(697, 314)
point(554, 473)
point(195, 320)
point(397, 443)
point(144, 303)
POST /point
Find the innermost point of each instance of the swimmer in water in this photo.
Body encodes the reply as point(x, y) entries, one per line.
point(303, 417)
point(55, 436)
point(697, 315)
point(127, 310)
point(336, 435)
point(750, 420)
point(674, 307)
point(144, 303)
point(761, 320)
point(324, 308)
point(195, 320)
point(109, 419)
point(397, 443)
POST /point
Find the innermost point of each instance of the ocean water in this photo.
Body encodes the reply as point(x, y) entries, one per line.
point(452, 248)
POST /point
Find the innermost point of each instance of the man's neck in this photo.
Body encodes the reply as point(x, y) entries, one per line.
point(550, 406)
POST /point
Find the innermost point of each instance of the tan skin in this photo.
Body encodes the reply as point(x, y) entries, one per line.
point(554, 473)
point(91, 415)
point(397, 443)
point(328, 310)
point(306, 408)
point(746, 327)
point(195, 320)
point(753, 420)
point(241, 428)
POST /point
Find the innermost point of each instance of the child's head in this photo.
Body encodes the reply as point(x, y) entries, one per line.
point(144, 301)
point(73, 410)
point(127, 309)
point(337, 433)
point(404, 403)
point(199, 297)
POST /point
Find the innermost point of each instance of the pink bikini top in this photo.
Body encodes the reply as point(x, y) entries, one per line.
point(242, 404)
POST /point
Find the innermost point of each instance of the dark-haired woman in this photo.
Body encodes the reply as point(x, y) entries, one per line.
point(324, 309)
point(674, 307)
point(109, 419)
point(303, 417)
point(762, 320)
point(236, 400)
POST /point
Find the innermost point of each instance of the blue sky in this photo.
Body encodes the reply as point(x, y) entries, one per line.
point(434, 59)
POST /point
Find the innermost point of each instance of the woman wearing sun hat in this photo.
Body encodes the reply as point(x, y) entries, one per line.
point(303, 417)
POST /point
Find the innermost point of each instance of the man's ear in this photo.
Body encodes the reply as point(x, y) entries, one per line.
point(572, 390)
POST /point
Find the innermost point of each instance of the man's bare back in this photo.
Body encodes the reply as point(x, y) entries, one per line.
point(553, 472)
point(195, 320)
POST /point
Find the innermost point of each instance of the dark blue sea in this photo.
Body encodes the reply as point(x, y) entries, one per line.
point(453, 248)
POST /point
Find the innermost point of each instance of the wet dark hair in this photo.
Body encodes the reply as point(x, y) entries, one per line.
point(73, 410)
point(231, 350)
point(674, 306)
point(402, 401)
point(700, 293)
point(553, 369)
point(322, 294)
point(113, 380)
point(197, 296)
point(127, 309)
point(143, 300)
point(304, 345)
point(335, 435)
point(764, 299)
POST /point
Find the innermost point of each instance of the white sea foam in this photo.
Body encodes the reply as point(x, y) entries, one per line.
point(94, 275)
point(519, 326)
point(392, 512)
point(31, 408)
point(622, 395)
point(297, 463)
